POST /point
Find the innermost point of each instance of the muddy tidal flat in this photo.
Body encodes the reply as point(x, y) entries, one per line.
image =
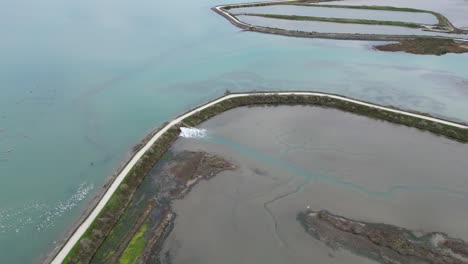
point(291, 159)
point(384, 243)
point(148, 219)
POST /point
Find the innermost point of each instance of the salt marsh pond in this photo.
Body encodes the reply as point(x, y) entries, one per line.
point(330, 27)
point(82, 82)
point(290, 158)
point(454, 10)
point(317, 11)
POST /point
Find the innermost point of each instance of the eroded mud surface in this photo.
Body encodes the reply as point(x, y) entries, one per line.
point(382, 242)
point(150, 211)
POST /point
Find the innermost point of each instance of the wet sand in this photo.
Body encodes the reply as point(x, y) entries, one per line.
point(293, 158)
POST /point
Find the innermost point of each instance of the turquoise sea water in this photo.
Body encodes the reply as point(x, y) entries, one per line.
point(81, 82)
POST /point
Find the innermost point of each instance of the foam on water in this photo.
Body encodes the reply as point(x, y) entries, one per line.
point(40, 216)
point(192, 132)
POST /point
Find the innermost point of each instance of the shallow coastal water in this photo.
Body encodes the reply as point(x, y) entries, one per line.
point(422, 18)
point(82, 82)
point(331, 27)
point(293, 158)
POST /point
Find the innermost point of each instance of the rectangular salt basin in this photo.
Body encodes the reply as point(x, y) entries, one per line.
point(330, 27)
point(455, 10)
point(421, 18)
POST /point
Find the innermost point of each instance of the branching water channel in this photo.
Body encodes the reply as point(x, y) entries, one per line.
point(303, 176)
point(292, 158)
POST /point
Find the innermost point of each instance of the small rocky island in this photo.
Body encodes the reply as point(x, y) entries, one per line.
point(429, 46)
point(382, 242)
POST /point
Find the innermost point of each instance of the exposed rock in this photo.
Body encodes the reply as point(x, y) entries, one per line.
point(383, 243)
point(431, 46)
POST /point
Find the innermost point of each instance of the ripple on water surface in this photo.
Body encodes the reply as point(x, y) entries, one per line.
point(39, 216)
point(84, 81)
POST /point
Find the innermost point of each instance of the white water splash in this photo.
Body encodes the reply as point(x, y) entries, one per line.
point(192, 132)
point(38, 216)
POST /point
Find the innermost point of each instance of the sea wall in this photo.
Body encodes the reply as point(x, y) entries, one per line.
point(224, 11)
point(99, 222)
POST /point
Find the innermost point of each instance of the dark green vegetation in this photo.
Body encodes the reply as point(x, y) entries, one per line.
point(148, 218)
point(444, 24)
point(89, 243)
point(339, 20)
point(84, 250)
point(455, 133)
point(223, 11)
point(443, 21)
point(426, 46)
point(417, 45)
point(136, 246)
point(381, 242)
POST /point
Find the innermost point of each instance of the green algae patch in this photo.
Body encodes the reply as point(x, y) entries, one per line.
point(91, 240)
point(112, 244)
point(135, 247)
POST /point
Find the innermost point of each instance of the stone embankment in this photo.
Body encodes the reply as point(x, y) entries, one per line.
point(223, 11)
point(99, 219)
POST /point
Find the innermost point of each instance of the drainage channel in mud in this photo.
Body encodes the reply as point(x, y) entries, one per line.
point(294, 158)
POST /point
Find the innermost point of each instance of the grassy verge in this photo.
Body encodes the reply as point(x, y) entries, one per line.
point(443, 21)
point(338, 20)
point(112, 242)
point(381, 8)
point(135, 247)
point(454, 133)
point(85, 249)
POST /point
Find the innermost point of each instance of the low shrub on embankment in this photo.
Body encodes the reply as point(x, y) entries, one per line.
point(455, 133)
point(84, 250)
point(102, 226)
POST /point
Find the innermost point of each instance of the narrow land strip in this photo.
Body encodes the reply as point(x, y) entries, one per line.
point(304, 34)
point(337, 20)
point(443, 21)
point(447, 128)
point(444, 25)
